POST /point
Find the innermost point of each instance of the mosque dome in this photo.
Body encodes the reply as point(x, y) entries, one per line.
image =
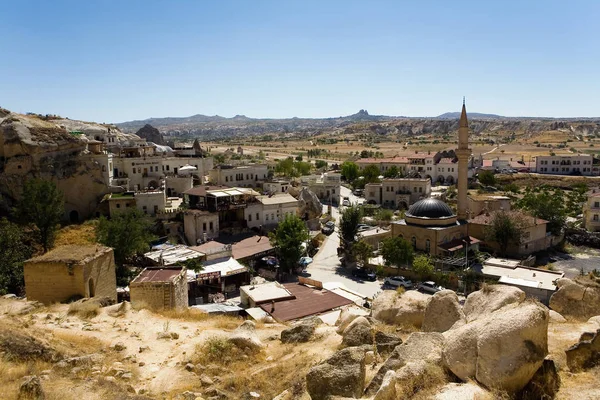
point(430, 208)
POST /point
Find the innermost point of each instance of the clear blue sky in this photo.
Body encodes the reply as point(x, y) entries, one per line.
point(111, 61)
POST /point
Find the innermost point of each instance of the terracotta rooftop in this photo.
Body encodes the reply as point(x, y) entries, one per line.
point(396, 159)
point(528, 220)
point(308, 301)
point(251, 246)
point(157, 275)
point(71, 254)
point(447, 161)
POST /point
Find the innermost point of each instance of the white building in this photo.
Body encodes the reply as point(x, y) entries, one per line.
point(326, 186)
point(397, 192)
point(200, 226)
point(580, 164)
point(268, 210)
point(244, 175)
point(276, 186)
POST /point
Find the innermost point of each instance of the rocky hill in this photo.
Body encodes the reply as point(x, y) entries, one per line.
point(217, 127)
point(151, 134)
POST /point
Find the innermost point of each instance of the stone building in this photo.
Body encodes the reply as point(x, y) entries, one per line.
point(397, 192)
point(478, 204)
point(580, 164)
point(591, 211)
point(69, 272)
point(161, 288)
point(326, 186)
point(252, 175)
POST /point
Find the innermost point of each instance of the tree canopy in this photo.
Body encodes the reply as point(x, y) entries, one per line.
point(13, 252)
point(43, 207)
point(396, 251)
point(546, 203)
point(504, 230)
point(349, 220)
point(422, 266)
point(350, 171)
point(128, 233)
point(486, 177)
point(393, 172)
point(371, 173)
point(362, 251)
point(287, 239)
point(290, 168)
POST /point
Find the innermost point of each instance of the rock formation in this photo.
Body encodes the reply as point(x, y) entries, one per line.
point(342, 374)
point(245, 337)
point(405, 309)
point(301, 332)
point(579, 299)
point(443, 312)
point(501, 346)
point(310, 205)
point(586, 353)
point(151, 134)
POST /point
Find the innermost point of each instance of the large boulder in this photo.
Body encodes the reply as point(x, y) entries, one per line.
point(491, 298)
point(347, 315)
point(300, 333)
point(357, 335)
point(443, 312)
point(386, 342)
point(502, 350)
point(245, 337)
point(407, 308)
point(151, 134)
point(420, 347)
point(342, 374)
point(387, 390)
point(309, 204)
point(586, 353)
point(578, 300)
point(463, 391)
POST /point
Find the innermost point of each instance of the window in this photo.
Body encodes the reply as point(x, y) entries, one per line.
point(133, 171)
point(167, 167)
point(118, 205)
point(427, 245)
point(266, 217)
point(273, 216)
point(204, 226)
point(595, 217)
point(249, 217)
point(257, 217)
point(210, 225)
point(414, 242)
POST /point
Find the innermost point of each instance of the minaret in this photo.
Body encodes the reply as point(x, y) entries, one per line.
point(463, 153)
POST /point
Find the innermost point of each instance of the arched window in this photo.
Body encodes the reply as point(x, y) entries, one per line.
point(414, 242)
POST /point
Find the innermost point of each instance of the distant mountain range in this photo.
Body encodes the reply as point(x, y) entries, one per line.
point(215, 127)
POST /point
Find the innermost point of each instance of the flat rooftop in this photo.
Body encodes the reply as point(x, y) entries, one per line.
point(71, 254)
point(514, 274)
point(173, 255)
point(308, 301)
point(157, 275)
point(282, 198)
point(266, 292)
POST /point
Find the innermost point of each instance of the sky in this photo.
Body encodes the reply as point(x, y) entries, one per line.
point(114, 61)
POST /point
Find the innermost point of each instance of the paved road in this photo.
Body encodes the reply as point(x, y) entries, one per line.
point(326, 263)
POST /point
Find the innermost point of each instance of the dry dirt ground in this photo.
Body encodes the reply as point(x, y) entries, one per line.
point(144, 366)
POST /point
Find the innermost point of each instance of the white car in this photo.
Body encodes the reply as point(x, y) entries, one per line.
point(346, 203)
point(304, 261)
point(429, 287)
point(397, 281)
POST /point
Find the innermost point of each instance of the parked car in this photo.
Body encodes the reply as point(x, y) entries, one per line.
point(305, 261)
point(346, 203)
point(429, 287)
point(363, 227)
point(397, 281)
point(358, 192)
point(364, 274)
point(328, 228)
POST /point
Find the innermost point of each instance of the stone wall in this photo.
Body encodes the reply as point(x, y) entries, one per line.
point(160, 295)
point(102, 273)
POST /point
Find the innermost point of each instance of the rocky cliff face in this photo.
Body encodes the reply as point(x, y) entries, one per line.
point(151, 134)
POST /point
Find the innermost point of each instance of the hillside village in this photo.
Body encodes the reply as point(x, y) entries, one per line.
point(218, 272)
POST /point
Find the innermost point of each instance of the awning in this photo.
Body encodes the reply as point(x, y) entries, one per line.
point(457, 244)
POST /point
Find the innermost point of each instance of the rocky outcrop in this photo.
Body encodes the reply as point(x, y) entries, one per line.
point(586, 353)
point(245, 337)
point(463, 391)
point(400, 309)
point(556, 317)
point(151, 134)
point(501, 350)
point(387, 390)
point(578, 299)
point(419, 348)
point(309, 204)
point(357, 333)
point(342, 374)
point(386, 342)
point(443, 312)
point(300, 333)
point(491, 298)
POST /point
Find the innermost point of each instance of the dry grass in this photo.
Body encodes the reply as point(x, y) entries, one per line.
point(225, 322)
point(400, 291)
point(78, 342)
point(422, 385)
point(77, 234)
point(84, 310)
point(11, 375)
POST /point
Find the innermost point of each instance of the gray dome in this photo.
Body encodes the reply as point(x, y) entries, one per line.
point(430, 208)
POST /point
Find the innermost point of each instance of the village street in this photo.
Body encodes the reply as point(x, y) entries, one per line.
point(326, 263)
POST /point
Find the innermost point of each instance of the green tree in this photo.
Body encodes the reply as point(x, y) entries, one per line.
point(43, 207)
point(392, 172)
point(548, 204)
point(287, 239)
point(286, 167)
point(13, 252)
point(371, 173)
point(192, 264)
point(302, 168)
point(384, 215)
point(320, 164)
point(350, 171)
point(128, 233)
point(299, 157)
point(422, 266)
point(362, 251)
point(504, 230)
point(349, 220)
point(396, 251)
point(486, 178)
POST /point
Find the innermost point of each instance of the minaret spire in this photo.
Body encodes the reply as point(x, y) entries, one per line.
point(463, 123)
point(463, 153)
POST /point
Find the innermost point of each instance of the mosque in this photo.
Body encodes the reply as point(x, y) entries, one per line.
point(430, 224)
